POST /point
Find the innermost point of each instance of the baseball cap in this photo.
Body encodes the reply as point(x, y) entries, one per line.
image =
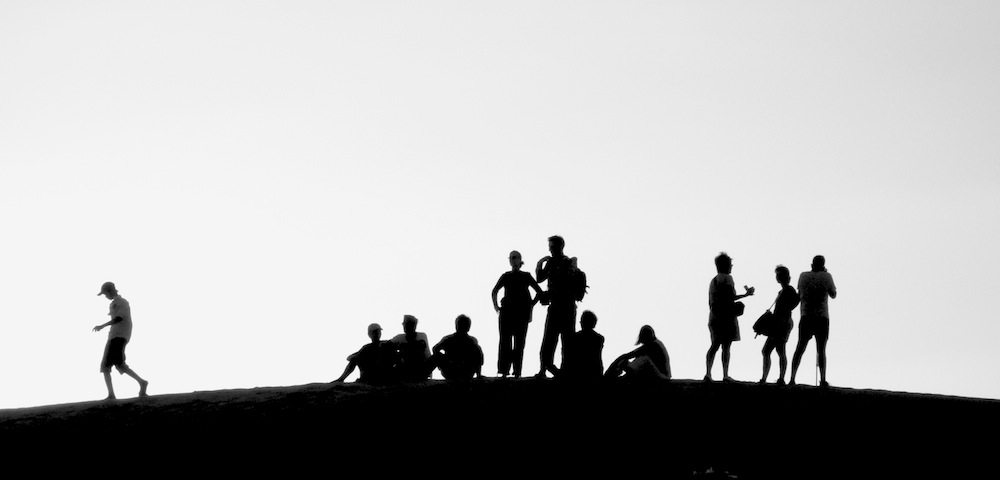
point(107, 288)
point(373, 327)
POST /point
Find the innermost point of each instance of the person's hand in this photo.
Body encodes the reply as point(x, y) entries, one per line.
point(496, 308)
point(98, 328)
point(543, 260)
point(749, 290)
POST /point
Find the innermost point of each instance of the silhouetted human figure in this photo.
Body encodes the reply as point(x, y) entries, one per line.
point(376, 360)
point(118, 337)
point(458, 355)
point(560, 319)
point(777, 338)
point(722, 315)
point(649, 360)
point(414, 351)
point(583, 351)
point(815, 288)
point(514, 314)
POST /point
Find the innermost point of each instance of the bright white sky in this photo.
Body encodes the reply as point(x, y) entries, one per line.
point(262, 180)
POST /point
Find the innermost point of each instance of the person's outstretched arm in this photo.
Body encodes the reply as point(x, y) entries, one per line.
point(108, 323)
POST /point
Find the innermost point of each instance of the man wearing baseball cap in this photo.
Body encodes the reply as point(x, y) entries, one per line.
point(376, 359)
point(118, 337)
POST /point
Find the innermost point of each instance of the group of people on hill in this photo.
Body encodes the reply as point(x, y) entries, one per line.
point(815, 287)
point(408, 356)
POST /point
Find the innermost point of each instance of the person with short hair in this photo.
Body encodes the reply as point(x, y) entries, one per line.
point(722, 324)
point(649, 360)
point(815, 289)
point(777, 338)
point(118, 336)
point(514, 314)
point(458, 355)
point(583, 351)
point(375, 360)
point(560, 319)
point(413, 350)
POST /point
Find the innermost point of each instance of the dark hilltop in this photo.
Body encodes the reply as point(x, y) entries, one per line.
point(523, 427)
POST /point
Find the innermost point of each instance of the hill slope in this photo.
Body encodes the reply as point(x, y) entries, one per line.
point(525, 426)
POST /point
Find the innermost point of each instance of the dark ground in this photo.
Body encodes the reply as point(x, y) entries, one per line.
point(522, 427)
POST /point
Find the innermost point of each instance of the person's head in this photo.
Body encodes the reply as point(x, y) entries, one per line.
point(374, 332)
point(646, 335)
point(782, 275)
point(588, 320)
point(556, 245)
point(723, 263)
point(409, 324)
point(463, 324)
point(819, 263)
point(515, 260)
point(108, 290)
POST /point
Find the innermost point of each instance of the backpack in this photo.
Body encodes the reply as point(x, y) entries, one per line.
point(578, 283)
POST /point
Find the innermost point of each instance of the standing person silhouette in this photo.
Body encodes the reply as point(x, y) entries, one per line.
point(118, 337)
point(787, 300)
point(722, 326)
point(514, 314)
point(560, 319)
point(815, 288)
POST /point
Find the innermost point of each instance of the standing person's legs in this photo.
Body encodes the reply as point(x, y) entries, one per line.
point(782, 362)
point(766, 352)
point(725, 360)
point(520, 337)
point(550, 335)
point(805, 333)
point(504, 349)
point(822, 335)
point(567, 327)
point(710, 356)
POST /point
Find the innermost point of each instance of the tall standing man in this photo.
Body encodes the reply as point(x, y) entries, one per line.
point(560, 320)
point(815, 288)
point(118, 337)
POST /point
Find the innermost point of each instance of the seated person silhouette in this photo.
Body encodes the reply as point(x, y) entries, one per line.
point(649, 360)
point(413, 350)
point(458, 355)
point(375, 360)
point(583, 351)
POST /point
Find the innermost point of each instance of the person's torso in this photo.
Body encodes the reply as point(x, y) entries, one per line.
point(120, 308)
point(515, 288)
point(814, 292)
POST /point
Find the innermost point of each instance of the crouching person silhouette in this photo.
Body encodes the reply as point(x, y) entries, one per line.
point(376, 360)
point(583, 351)
point(649, 360)
point(458, 355)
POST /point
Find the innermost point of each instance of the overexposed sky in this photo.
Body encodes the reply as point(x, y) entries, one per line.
point(262, 180)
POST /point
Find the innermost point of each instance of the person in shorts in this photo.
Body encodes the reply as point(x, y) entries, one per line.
point(118, 336)
point(815, 289)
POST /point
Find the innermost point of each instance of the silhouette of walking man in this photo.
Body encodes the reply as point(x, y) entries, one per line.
point(815, 288)
point(560, 319)
point(514, 314)
point(118, 337)
point(722, 315)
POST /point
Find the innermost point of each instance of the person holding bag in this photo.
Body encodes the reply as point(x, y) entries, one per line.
point(780, 325)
